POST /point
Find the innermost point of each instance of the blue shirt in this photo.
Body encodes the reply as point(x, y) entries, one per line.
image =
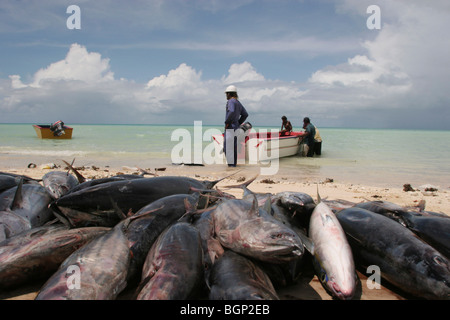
point(309, 139)
point(235, 113)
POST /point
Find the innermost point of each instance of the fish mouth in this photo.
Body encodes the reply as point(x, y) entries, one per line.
point(338, 292)
point(284, 247)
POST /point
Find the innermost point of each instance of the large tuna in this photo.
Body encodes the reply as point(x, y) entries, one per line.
point(245, 228)
point(434, 229)
point(235, 277)
point(96, 271)
point(97, 205)
point(37, 253)
point(299, 204)
point(22, 208)
point(212, 249)
point(58, 183)
point(173, 269)
point(404, 260)
point(333, 259)
point(150, 221)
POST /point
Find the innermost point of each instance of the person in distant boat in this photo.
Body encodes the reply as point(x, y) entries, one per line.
point(235, 116)
point(310, 132)
point(286, 126)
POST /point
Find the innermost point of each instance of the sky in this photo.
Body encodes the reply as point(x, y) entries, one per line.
point(343, 63)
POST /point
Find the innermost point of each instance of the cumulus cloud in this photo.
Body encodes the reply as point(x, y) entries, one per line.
point(398, 79)
point(78, 65)
point(401, 78)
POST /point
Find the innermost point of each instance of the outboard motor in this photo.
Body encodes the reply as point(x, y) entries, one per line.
point(57, 128)
point(246, 126)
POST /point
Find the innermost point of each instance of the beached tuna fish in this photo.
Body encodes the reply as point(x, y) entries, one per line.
point(299, 204)
point(58, 183)
point(12, 224)
point(22, 208)
point(332, 254)
point(38, 253)
point(434, 229)
point(173, 269)
point(291, 270)
point(212, 249)
point(149, 222)
point(96, 271)
point(7, 182)
point(97, 205)
point(245, 228)
point(235, 277)
point(404, 260)
point(388, 209)
point(95, 182)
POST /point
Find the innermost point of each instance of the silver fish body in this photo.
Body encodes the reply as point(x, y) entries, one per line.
point(36, 253)
point(434, 229)
point(173, 269)
point(96, 271)
point(99, 205)
point(332, 253)
point(58, 183)
point(403, 259)
point(245, 228)
point(22, 208)
point(235, 277)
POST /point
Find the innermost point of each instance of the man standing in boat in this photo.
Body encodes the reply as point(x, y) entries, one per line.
point(235, 116)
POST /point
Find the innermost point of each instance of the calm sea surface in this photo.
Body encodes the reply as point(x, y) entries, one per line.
point(360, 156)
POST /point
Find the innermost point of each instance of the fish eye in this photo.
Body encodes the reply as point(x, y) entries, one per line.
point(323, 277)
point(439, 260)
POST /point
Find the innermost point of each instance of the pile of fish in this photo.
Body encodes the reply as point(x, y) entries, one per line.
point(171, 237)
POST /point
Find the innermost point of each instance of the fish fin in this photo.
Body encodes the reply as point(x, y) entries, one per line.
point(268, 205)
point(59, 215)
point(255, 208)
point(79, 176)
point(117, 210)
point(319, 200)
point(242, 185)
point(421, 205)
point(215, 249)
point(18, 197)
point(211, 184)
point(144, 172)
point(308, 244)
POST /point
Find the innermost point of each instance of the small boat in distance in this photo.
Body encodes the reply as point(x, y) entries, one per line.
point(55, 130)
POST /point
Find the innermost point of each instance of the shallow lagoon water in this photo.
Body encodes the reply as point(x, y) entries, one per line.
point(361, 156)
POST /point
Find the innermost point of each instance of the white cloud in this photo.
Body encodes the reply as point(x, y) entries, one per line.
point(399, 78)
point(403, 75)
point(241, 73)
point(79, 65)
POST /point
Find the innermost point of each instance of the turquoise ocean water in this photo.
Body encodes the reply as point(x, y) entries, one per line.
point(361, 156)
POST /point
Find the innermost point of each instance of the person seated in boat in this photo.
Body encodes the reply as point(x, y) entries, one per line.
point(310, 133)
point(286, 127)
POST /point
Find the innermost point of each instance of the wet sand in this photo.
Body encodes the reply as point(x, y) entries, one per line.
point(308, 287)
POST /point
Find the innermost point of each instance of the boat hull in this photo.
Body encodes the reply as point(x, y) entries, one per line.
point(44, 132)
point(263, 147)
